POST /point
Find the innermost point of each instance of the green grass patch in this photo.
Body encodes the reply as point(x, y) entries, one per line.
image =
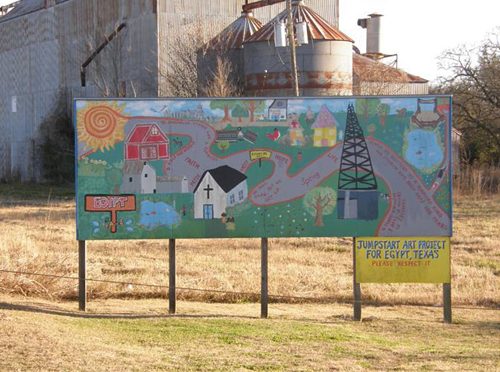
point(29, 191)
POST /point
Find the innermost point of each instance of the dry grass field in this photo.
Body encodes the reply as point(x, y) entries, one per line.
point(127, 326)
point(38, 235)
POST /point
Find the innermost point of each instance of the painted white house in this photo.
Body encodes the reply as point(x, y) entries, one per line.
point(148, 179)
point(218, 189)
point(278, 110)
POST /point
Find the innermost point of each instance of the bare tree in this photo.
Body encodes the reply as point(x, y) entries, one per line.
point(106, 70)
point(219, 84)
point(473, 77)
point(192, 65)
point(178, 62)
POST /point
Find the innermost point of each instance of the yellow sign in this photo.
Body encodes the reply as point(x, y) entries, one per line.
point(260, 154)
point(402, 260)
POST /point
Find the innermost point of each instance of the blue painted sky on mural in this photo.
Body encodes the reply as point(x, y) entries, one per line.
point(162, 108)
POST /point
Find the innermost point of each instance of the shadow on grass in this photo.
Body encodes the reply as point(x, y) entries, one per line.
point(44, 309)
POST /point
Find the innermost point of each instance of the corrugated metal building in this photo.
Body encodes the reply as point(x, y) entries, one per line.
point(43, 43)
point(371, 77)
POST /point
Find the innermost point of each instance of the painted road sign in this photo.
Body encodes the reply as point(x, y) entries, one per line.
point(352, 166)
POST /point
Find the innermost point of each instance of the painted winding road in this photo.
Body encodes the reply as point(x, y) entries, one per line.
point(412, 208)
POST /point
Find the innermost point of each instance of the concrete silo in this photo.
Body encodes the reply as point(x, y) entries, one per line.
point(324, 63)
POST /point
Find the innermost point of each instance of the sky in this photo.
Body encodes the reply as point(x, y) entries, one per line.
point(419, 30)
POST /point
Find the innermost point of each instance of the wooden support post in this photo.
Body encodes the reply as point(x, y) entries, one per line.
point(447, 302)
point(171, 276)
point(82, 275)
point(264, 297)
point(293, 51)
point(356, 286)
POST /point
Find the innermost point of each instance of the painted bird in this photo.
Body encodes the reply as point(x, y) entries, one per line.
point(274, 135)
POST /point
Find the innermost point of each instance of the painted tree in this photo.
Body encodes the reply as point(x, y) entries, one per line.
point(253, 106)
point(309, 116)
point(372, 128)
point(239, 112)
point(320, 202)
point(223, 145)
point(223, 104)
point(366, 107)
point(382, 111)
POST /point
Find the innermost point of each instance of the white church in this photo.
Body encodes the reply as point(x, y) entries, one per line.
point(218, 189)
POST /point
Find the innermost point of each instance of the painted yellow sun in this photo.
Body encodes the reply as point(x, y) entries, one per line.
point(101, 126)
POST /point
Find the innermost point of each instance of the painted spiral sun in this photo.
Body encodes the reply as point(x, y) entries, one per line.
point(100, 126)
point(100, 122)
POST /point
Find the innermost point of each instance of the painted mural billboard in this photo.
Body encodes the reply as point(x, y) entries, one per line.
point(263, 167)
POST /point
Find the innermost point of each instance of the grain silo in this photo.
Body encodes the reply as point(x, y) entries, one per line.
point(324, 63)
point(228, 44)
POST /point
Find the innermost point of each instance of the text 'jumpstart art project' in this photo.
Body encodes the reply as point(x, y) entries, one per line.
point(283, 167)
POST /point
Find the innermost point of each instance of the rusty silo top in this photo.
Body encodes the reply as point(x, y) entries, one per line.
point(318, 28)
point(234, 35)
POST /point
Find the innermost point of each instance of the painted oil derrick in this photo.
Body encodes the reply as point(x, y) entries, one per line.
point(356, 172)
point(357, 188)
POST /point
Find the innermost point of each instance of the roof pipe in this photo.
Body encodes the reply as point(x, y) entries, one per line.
point(373, 32)
point(259, 4)
point(109, 38)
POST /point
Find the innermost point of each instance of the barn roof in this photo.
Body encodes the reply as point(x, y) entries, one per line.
point(225, 176)
point(318, 28)
point(142, 132)
point(234, 35)
point(369, 70)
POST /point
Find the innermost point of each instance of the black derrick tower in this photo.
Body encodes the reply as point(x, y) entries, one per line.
point(356, 171)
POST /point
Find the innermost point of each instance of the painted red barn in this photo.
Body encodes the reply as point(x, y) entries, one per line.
point(146, 142)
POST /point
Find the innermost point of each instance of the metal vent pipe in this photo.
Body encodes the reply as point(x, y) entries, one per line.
point(373, 33)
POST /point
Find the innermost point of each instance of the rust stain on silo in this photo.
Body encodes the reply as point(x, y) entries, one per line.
point(307, 80)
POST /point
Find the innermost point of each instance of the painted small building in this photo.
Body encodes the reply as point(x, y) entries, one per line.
point(325, 129)
point(148, 179)
point(217, 190)
point(141, 178)
point(296, 132)
point(234, 135)
point(278, 110)
point(357, 204)
point(146, 142)
point(230, 135)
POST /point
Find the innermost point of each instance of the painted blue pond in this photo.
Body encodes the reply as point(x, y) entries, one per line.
point(423, 151)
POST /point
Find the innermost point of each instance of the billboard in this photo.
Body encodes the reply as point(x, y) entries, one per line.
point(263, 167)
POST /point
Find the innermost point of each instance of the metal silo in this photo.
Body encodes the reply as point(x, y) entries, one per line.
point(324, 63)
point(228, 44)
